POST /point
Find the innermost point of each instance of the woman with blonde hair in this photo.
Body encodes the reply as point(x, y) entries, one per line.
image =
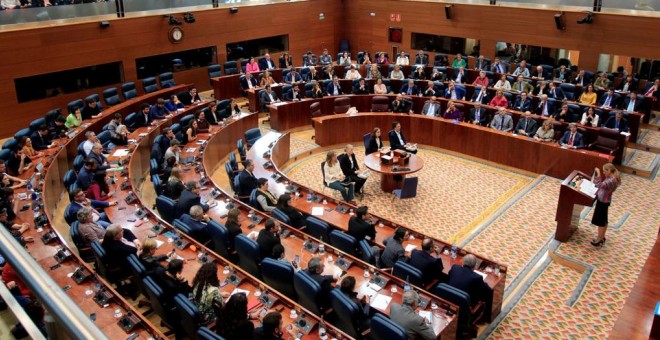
point(606, 182)
point(335, 179)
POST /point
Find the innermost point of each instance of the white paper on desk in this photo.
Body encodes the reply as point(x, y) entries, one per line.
point(159, 243)
point(483, 275)
point(132, 141)
point(201, 141)
point(177, 257)
point(317, 211)
point(278, 103)
point(427, 315)
point(237, 290)
point(143, 134)
point(588, 187)
point(410, 248)
point(365, 290)
point(381, 301)
point(120, 153)
point(191, 149)
point(119, 168)
point(386, 157)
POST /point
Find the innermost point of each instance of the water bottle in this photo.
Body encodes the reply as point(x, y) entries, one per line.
point(321, 247)
point(323, 335)
point(453, 252)
point(406, 287)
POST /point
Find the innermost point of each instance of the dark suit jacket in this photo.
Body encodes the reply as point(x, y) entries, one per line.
point(473, 284)
point(360, 228)
point(522, 106)
point(421, 61)
point(234, 229)
point(197, 228)
point(430, 266)
point(263, 64)
point(73, 207)
point(326, 282)
point(266, 99)
point(187, 200)
point(283, 64)
point(578, 141)
point(460, 93)
point(405, 88)
point(631, 87)
point(483, 65)
point(266, 241)
point(558, 93)
point(567, 74)
point(40, 142)
point(171, 286)
point(357, 90)
point(485, 99)
point(100, 159)
point(530, 129)
point(330, 90)
point(373, 145)
point(345, 165)
point(187, 99)
point(117, 252)
point(483, 116)
point(289, 96)
point(538, 109)
point(636, 106)
point(401, 107)
point(248, 182)
point(244, 82)
point(141, 120)
point(614, 102)
point(611, 123)
point(290, 78)
point(394, 140)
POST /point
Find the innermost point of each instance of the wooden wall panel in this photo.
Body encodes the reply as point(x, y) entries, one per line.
point(50, 49)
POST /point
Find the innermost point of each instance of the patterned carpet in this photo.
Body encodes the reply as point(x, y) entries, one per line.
point(512, 217)
point(445, 195)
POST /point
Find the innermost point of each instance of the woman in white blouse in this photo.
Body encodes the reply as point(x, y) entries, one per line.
point(345, 59)
point(334, 177)
point(589, 117)
point(396, 73)
point(379, 87)
point(402, 59)
point(503, 83)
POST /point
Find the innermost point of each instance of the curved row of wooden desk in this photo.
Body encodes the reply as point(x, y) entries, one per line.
point(229, 87)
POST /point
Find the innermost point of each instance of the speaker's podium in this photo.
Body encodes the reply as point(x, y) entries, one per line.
point(571, 202)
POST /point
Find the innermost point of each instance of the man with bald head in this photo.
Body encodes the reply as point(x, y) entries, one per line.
point(464, 278)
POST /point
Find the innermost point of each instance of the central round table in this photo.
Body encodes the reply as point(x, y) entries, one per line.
point(390, 179)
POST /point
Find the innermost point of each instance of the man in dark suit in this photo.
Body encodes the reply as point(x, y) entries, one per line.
point(78, 200)
point(527, 125)
point(266, 63)
point(190, 97)
point(315, 268)
point(398, 141)
point(628, 85)
point(269, 96)
point(400, 105)
point(479, 115)
point(40, 139)
point(405, 315)
point(498, 67)
point(555, 92)
point(359, 227)
point(481, 96)
point(482, 64)
point(197, 221)
point(523, 103)
point(351, 169)
point(309, 59)
point(421, 58)
point(393, 251)
point(361, 87)
point(540, 74)
point(455, 92)
point(609, 99)
point(632, 103)
point(293, 77)
point(429, 265)
point(143, 119)
point(334, 88)
point(617, 122)
point(544, 107)
point(268, 238)
point(563, 73)
point(580, 79)
point(190, 197)
point(246, 178)
point(119, 243)
point(293, 94)
point(410, 88)
point(465, 279)
point(248, 81)
point(572, 139)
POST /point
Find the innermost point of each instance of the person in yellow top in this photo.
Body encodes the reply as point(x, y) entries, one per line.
point(74, 119)
point(602, 82)
point(589, 96)
point(25, 143)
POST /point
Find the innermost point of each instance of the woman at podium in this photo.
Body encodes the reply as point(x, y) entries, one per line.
point(606, 182)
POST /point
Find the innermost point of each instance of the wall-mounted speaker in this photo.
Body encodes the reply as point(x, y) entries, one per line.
point(559, 21)
point(448, 12)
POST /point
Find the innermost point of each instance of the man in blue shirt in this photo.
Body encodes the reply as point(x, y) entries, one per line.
point(158, 110)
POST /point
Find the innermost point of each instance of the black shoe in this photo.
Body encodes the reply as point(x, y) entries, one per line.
point(598, 244)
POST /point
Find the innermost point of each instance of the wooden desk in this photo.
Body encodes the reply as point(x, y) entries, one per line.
point(390, 179)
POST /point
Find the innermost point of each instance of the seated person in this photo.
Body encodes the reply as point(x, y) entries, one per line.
point(335, 179)
point(502, 121)
point(393, 251)
point(436, 75)
point(247, 179)
point(522, 69)
point(419, 73)
point(347, 287)
point(481, 80)
point(15, 229)
point(421, 58)
point(480, 96)
point(40, 139)
point(632, 103)
point(580, 79)
point(481, 64)
point(373, 72)
point(334, 89)
point(267, 79)
point(317, 91)
point(78, 201)
point(609, 99)
point(628, 85)
point(527, 125)
point(402, 59)
point(271, 328)
point(99, 189)
point(286, 60)
point(8, 181)
point(74, 119)
point(405, 315)
point(499, 100)
point(430, 265)
point(315, 268)
point(400, 105)
point(359, 226)
point(248, 82)
point(57, 128)
point(563, 73)
point(91, 110)
point(545, 107)
point(351, 169)
point(202, 123)
point(25, 145)
point(266, 63)
point(352, 74)
point(503, 83)
point(190, 97)
point(268, 237)
point(143, 118)
point(455, 92)
point(602, 83)
point(150, 260)
point(197, 221)
point(564, 114)
point(233, 226)
point(410, 88)
point(572, 139)
point(464, 278)
point(118, 131)
point(523, 103)
point(381, 59)
point(171, 281)
point(309, 59)
point(174, 104)
point(118, 244)
point(313, 75)
point(293, 77)
point(617, 122)
point(86, 174)
point(297, 219)
point(522, 86)
point(361, 87)
point(460, 76)
point(430, 89)
point(539, 73)
point(588, 97)
point(325, 59)
point(545, 133)
point(252, 65)
point(158, 110)
point(555, 92)
point(396, 73)
point(97, 154)
point(375, 142)
point(479, 115)
point(190, 197)
point(89, 230)
point(589, 117)
point(345, 59)
point(541, 88)
point(294, 94)
point(379, 87)
point(265, 198)
point(432, 108)
point(398, 141)
point(452, 112)
point(269, 96)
